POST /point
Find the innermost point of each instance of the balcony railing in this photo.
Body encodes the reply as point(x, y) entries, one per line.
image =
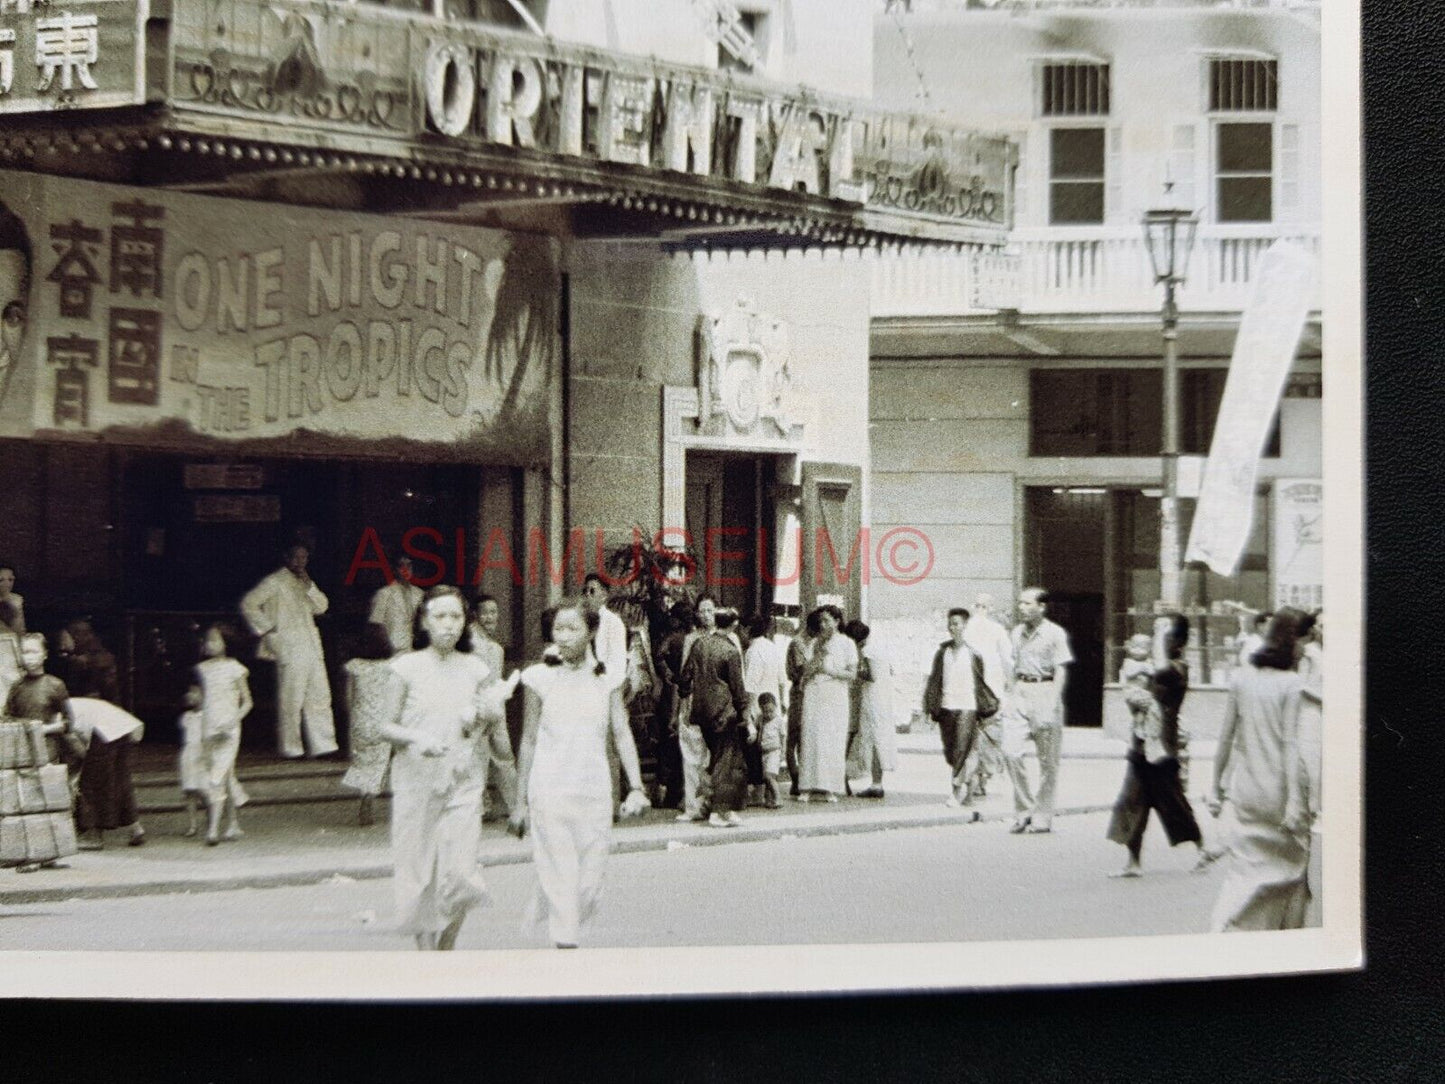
point(1074, 270)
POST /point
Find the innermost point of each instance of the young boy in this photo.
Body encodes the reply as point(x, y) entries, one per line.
point(770, 741)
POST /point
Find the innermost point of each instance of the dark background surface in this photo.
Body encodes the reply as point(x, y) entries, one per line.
point(1382, 1024)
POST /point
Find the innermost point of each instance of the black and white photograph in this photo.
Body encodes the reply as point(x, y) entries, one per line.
point(606, 498)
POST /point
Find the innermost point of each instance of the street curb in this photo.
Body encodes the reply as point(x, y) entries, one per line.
point(706, 837)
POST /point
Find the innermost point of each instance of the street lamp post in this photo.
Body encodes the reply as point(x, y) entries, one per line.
point(1169, 236)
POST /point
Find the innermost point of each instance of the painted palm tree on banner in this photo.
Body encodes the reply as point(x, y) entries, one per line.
point(524, 332)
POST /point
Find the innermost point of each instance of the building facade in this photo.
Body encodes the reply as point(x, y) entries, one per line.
point(500, 286)
point(1015, 399)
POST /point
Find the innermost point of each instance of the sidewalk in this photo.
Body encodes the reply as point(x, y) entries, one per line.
point(313, 836)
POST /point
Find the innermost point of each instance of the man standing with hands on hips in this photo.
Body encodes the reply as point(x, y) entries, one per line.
point(282, 610)
point(1041, 652)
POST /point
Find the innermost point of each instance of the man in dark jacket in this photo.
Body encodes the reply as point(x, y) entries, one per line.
point(668, 661)
point(951, 699)
point(713, 677)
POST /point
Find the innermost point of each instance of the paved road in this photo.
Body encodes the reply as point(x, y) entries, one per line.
point(963, 882)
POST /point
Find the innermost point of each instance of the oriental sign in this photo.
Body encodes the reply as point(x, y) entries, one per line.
point(693, 122)
point(390, 83)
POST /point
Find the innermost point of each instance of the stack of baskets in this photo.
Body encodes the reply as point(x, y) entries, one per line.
point(35, 801)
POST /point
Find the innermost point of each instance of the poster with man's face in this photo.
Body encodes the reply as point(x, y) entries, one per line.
point(15, 259)
point(18, 262)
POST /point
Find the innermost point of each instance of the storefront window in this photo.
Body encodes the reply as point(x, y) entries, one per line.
point(1117, 412)
point(1220, 608)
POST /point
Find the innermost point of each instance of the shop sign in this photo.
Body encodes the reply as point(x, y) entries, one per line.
point(686, 121)
point(237, 508)
point(176, 317)
point(398, 81)
point(224, 476)
point(1297, 555)
point(70, 54)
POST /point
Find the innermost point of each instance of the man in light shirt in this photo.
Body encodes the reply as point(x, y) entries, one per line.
point(950, 699)
point(610, 643)
point(500, 770)
point(394, 607)
point(282, 610)
point(763, 663)
point(1041, 656)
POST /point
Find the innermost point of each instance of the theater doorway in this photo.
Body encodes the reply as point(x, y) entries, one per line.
point(732, 521)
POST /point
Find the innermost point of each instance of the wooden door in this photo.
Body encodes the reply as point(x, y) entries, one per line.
point(834, 551)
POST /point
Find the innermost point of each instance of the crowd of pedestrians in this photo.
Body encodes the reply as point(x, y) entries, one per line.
point(732, 708)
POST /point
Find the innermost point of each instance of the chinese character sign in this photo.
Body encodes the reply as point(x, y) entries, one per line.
point(83, 54)
point(203, 319)
point(1299, 566)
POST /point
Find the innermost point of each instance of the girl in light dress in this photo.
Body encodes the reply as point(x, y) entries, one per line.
point(193, 776)
point(829, 671)
point(368, 696)
point(437, 715)
point(564, 792)
point(225, 701)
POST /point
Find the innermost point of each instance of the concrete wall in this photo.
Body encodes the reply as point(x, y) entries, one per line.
point(979, 67)
point(950, 451)
point(635, 317)
point(824, 44)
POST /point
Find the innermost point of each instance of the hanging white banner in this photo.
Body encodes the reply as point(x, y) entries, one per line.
point(1264, 349)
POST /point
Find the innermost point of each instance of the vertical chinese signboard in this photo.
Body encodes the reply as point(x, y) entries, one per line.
point(69, 54)
point(1299, 567)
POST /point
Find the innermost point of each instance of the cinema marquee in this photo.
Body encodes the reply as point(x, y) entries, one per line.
point(206, 93)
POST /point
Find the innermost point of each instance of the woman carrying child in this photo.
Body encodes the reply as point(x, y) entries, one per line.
point(369, 695)
point(225, 701)
point(435, 720)
point(565, 793)
point(1155, 691)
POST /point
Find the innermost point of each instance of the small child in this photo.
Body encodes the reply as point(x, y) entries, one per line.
point(225, 701)
point(193, 776)
point(770, 742)
point(1148, 718)
point(1140, 648)
point(1137, 651)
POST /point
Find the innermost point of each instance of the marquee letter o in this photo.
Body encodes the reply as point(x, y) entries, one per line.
point(451, 88)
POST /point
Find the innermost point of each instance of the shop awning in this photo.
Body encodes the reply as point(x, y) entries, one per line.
point(362, 107)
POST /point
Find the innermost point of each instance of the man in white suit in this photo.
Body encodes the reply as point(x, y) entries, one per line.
point(282, 610)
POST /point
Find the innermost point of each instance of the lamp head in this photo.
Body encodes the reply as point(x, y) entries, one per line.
point(1169, 237)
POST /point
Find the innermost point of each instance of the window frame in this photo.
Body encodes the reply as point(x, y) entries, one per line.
point(1077, 123)
point(1218, 118)
point(1217, 123)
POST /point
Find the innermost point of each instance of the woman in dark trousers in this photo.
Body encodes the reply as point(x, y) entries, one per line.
point(106, 793)
point(1151, 780)
point(795, 663)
